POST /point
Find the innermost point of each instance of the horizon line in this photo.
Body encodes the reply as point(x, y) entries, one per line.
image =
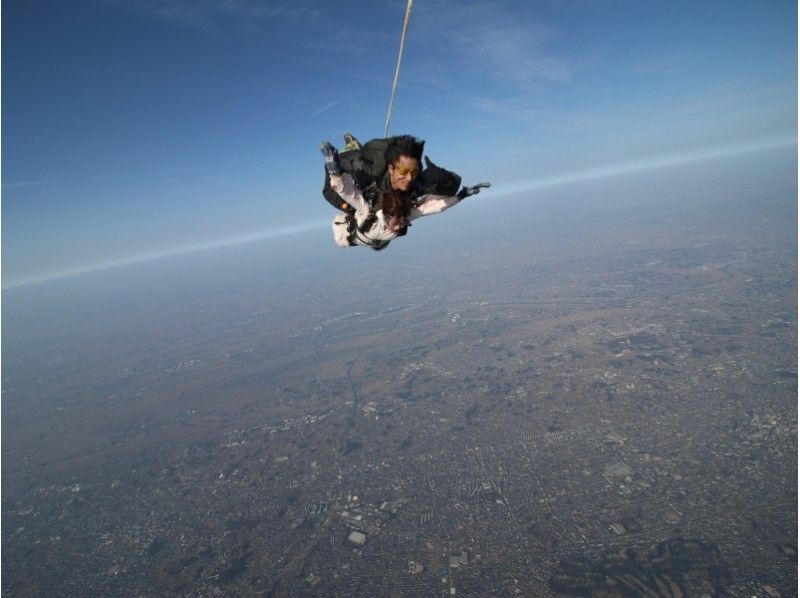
point(155, 255)
point(520, 186)
point(653, 163)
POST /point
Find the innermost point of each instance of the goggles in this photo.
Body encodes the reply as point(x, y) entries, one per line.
point(402, 171)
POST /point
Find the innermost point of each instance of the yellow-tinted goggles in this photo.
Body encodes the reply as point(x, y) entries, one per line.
point(402, 171)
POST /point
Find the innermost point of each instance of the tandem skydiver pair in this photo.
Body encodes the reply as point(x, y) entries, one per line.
point(379, 189)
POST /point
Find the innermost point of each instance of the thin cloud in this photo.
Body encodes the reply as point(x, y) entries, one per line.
point(514, 51)
point(671, 64)
point(508, 109)
point(547, 119)
point(213, 14)
point(95, 177)
point(745, 110)
point(326, 108)
point(19, 184)
point(492, 43)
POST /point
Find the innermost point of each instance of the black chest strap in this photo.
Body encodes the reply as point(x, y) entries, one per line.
point(356, 234)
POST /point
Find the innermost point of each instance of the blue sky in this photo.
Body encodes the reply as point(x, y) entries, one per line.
point(136, 128)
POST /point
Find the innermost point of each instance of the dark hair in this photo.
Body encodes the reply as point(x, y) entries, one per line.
point(393, 204)
point(404, 145)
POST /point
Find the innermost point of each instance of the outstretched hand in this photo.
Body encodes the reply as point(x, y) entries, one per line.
point(332, 164)
point(474, 190)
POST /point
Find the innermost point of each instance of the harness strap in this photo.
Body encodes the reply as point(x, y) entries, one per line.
point(357, 233)
point(369, 221)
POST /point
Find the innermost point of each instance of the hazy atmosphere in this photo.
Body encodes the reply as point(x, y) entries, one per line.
point(137, 128)
point(581, 382)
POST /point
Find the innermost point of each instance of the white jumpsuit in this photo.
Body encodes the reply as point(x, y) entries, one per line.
point(345, 186)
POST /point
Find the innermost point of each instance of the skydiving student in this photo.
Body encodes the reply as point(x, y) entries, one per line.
point(390, 215)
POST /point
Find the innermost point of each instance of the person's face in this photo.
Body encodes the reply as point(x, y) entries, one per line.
point(394, 223)
point(402, 173)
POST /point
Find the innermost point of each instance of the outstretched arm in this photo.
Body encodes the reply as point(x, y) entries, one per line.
point(432, 204)
point(435, 204)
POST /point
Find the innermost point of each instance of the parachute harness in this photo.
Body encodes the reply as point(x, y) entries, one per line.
point(397, 68)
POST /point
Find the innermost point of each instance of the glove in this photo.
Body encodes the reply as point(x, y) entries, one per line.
point(332, 164)
point(474, 190)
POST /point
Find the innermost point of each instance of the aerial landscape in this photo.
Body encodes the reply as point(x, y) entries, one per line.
point(226, 371)
point(602, 401)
